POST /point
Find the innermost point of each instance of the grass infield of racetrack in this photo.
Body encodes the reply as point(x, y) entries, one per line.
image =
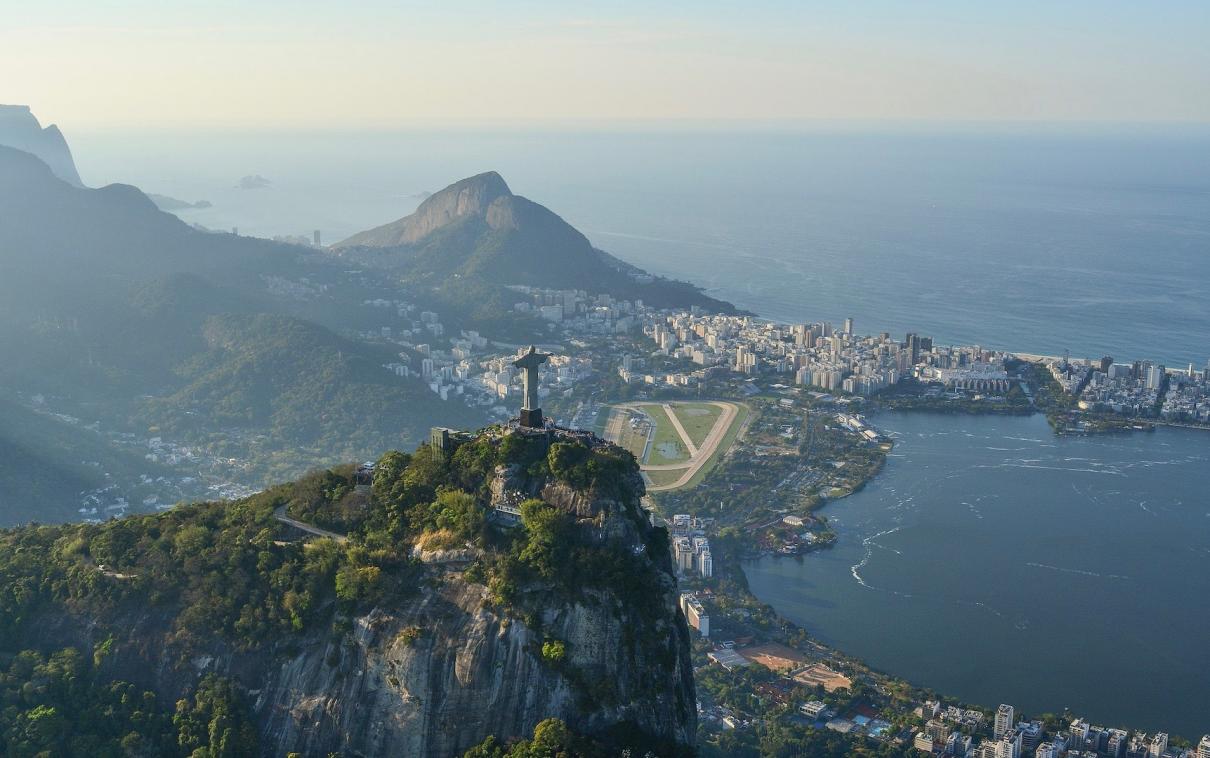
point(665, 435)
point(698, 427)
point(737, 425)
point(698, 419)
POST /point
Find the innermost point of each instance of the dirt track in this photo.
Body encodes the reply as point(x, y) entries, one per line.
point(698, 457)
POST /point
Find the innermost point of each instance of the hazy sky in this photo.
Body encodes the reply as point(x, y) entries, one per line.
point(308, 64)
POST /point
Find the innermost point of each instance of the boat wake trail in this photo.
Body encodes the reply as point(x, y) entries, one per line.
point(869, 543)
point(1082, 572)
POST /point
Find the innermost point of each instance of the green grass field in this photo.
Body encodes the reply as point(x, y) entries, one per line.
point(697, 418)
point(664, 478)
point(666, 447)
point(741, 418)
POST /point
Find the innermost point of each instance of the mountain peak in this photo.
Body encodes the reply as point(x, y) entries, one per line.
point(489, 182)
point(20, 129)
point(473, 196)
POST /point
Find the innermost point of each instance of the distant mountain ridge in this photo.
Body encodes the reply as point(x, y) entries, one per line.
point(474, 196)
point(476, 236)
point(114, 309)
point(20, 129)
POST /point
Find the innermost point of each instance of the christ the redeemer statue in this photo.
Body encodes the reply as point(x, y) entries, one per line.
point(531, 414)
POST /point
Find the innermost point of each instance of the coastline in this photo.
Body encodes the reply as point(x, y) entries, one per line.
point(747, 563)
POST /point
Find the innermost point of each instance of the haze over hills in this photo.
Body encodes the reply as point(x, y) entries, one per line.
point(114, 311)
point(141, 327)
point(475, 236)
point(19, 128)
point(143, 348)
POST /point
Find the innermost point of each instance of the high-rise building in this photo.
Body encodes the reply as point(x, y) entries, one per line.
point(1203, 747)
point(1031, 736)
point(1079, 734)
point(1117, 742)
point(1155, 377)
point(683, 552)
point(695, 614)
point(848, 326)
point(316, 238)
point(1159, 743)
point(1004, 721)
point(1008, 746)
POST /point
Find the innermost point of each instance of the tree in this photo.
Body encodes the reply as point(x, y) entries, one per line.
point(215, 724)
point(548, 538)
point(460, 513)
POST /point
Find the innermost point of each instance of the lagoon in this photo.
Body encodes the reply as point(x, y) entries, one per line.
point(997, 562)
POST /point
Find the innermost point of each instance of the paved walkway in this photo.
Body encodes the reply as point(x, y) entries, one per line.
point(280, 515)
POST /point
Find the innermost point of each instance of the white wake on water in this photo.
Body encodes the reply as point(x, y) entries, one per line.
point(1082, 572)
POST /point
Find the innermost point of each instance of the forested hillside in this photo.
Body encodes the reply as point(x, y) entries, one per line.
point(202, 606)
point(128, 319)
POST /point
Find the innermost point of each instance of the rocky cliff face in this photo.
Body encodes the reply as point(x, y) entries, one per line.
point(468, 673)
point(19, 128)
point(446, 666)
point(484, 195)
point(441, 674)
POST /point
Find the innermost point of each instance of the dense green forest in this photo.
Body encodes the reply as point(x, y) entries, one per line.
point(298, 392)
point(232, 574)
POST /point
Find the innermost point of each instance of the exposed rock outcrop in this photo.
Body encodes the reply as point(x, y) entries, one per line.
point(19, 128)
point(468, 672)
point(485, 195)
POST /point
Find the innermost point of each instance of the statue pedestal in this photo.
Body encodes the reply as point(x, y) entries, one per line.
point(532, 418)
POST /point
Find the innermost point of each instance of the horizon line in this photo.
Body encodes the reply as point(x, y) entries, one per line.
point(637, 125)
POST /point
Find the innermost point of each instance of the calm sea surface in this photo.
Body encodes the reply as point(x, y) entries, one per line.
point(994, 561)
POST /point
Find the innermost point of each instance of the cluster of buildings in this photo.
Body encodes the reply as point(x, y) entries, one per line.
point(500, 379)
point(950, 731)
point(821, 355)
point(577, 311)
point(632, 371)
point(1141, 388)
point(471, 367)
point(857, 424)
point(1132, 389)
point(690, 548)
point(1188, 396)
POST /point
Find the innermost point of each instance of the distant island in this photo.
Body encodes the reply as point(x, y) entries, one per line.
point(166, 203)
point(252, 182)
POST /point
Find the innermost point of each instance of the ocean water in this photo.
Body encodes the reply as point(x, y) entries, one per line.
point(1097, 242)
point(997, 562)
